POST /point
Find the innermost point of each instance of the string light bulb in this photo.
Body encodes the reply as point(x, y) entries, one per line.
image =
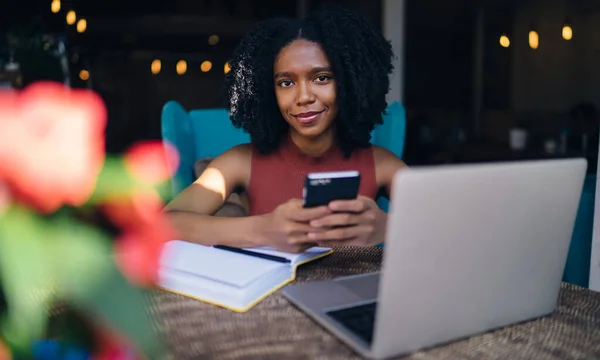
point(84, 75)
point(226, 68)
point(81, 25)
point(206, 66)
point(567, 32)
point(213, 39)
point(156, 66)
point(55, 6)
point(181, 67)
point(504, 41)
point(534, 39)
point(71, 17)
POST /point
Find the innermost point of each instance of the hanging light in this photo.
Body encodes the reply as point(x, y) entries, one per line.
point(567, 32)
point(55, 6)
point(213, 39)
point(206, 66)
point(504, 41)
point(156, 66)
point(534, 39)
point(81, 25)
point(84, 75)
point(181, 67)
point(71, 17)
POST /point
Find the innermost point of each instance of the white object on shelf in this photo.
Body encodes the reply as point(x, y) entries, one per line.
point(517, 138)
point(550, 146)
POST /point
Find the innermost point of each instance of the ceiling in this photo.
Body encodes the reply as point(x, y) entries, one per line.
point(586, 6)
point(174, 25)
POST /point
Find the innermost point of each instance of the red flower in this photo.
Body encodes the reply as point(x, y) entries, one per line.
point(145, 231)
point(140, 215)
point(111, 344)
point(51, 144)
point(152, 161)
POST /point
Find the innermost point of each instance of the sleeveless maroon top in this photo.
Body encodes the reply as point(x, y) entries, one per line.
point(279, 176)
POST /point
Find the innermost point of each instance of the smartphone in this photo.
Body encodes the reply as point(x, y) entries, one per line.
point(323, 187)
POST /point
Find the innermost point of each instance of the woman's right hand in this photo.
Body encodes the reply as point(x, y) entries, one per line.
point(287, 227)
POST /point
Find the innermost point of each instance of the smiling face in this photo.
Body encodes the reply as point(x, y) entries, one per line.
point(305, 91)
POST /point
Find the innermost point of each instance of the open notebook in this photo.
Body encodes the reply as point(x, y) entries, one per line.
point(225, 278)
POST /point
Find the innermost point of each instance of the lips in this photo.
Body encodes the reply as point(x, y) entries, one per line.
point(308, 117)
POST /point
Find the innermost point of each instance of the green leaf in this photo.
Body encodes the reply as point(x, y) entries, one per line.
point(124, 307)
point(26, 276)
point(90, 280)
point(81, 256)
point(115, 180)
point(42, 259)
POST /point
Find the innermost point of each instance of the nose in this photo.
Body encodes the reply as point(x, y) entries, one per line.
point(305, 94)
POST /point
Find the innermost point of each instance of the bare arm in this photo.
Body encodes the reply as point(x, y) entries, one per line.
point(386, 166)
point(191, 211)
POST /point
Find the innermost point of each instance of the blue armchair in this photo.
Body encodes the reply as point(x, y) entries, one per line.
point(206, 133)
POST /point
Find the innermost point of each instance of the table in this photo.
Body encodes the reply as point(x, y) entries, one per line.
point(275, 329)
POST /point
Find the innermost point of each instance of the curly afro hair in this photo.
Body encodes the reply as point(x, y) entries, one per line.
point(361, 61)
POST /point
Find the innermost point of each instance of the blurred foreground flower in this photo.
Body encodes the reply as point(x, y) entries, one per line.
point(4, 353)
point(5, 199)
point(139, 212)
point(146, 230)
point(51, 144)
point(152, 161)
point(52, 161)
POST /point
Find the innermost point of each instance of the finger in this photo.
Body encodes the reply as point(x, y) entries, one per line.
point(356, 205)
point(308, 214)
point(339, 234)
point(338, 219)
point(294, 228)
point(301, 239)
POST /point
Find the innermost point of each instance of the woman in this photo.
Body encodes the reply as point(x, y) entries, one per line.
point(309, 93)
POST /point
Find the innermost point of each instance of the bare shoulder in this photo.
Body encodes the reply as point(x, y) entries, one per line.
point(385, 158)
point(241, 152)
point(236, 157)
point(233, 164)
point(225, 174)
point(387, 165)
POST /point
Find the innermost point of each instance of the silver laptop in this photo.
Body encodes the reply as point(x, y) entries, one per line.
point(469, 249)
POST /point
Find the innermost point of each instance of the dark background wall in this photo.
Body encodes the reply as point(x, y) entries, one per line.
point(521, 86)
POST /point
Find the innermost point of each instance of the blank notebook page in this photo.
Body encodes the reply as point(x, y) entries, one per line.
point(215, 264)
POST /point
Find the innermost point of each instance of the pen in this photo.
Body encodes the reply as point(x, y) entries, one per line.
point(252, 253)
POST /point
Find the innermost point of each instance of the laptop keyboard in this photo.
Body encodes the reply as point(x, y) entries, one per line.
point(358, 319)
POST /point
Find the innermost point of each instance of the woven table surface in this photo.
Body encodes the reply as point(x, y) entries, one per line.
point(275, 329)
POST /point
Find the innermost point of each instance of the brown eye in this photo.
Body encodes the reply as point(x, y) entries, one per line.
point(322, 78)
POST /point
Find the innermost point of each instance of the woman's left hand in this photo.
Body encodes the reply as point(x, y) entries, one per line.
point(358, 222)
